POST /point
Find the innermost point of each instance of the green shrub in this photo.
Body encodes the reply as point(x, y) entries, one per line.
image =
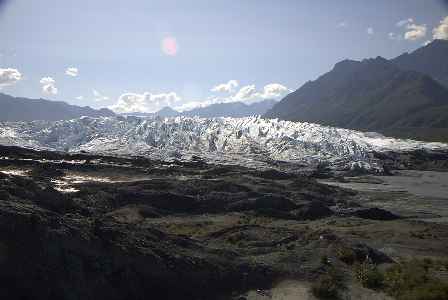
point(369, 275)
point(324, 260)
point(346, 255)
point(328, 285)
point(413, 280)
point(432, 290)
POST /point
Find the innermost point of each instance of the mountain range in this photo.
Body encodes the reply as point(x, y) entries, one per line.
point(394, 97)
point(164, 112)
point(24, 109)
point(231, 109)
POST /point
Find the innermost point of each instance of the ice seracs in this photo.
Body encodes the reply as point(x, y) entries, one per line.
point(251, 141)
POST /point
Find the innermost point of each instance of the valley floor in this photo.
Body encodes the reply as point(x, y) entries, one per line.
point(95, 227)
point(421, 195)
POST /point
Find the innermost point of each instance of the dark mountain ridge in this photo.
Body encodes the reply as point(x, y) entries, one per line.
point(164, 112)
point(371, 95)
point(431, 59)
point(232, 109)
point(24, 109)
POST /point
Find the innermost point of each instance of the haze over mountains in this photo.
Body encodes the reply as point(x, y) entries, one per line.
point(230, 109)
point(378, 95)
point(164, 112)
point(24, 109)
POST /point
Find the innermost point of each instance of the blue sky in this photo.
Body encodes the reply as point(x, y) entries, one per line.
point(142, 55)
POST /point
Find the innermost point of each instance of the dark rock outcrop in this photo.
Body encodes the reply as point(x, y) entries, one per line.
point(375, 213)
point(313, 211)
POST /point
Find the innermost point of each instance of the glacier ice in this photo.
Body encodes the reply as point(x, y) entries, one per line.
point(250, 141)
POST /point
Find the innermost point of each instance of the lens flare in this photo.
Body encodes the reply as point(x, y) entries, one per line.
point(169, 46)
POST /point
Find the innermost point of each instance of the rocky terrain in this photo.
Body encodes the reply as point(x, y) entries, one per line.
point(84, 226)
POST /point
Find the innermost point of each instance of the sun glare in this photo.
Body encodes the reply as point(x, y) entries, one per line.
point(169, 46)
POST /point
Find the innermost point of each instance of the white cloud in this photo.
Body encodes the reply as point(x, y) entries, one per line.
point(193, 104)
point(98, 96)
point(274, 90)
point(441, 31)
point(412, 31)
point(415, 32)
point(245, 93)
point(49, 86)
point(9, 76)
point(72, 71)
point(228, 87)
point(47, 80)
point(404, 22)
point(146, 102)
point(249, 94)
point(370, 31)
point(80, 98)
point(342, 24)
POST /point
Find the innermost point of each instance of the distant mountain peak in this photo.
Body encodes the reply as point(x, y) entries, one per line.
point(167, 112)
point(376, 60)
point(167, 109)
point(377, 95)
point(349, 66)
point(24, 109)
point(345, 64)
point(431, 60)
point(232, 109)
point(437, 43)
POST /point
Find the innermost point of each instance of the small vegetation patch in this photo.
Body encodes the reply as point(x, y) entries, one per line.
point(196, 229)
point(346, 255)
point(423, 234)
point(329, 285)
point(369, 275)
point(411, 280)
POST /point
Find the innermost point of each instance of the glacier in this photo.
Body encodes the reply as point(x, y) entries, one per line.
point(250, 141)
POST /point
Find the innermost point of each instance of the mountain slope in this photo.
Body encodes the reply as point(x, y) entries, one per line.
point(164, 112)
point(232, 109)
point(431, 59)
point(371, 95)
point(23, 109)
point(167, 112)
